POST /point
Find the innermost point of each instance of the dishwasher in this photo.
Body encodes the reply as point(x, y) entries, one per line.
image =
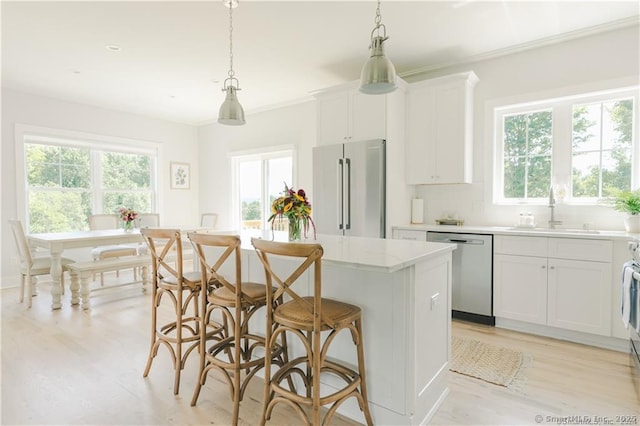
point(472, 275)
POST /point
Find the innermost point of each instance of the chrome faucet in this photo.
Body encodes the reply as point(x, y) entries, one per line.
point(552, 205)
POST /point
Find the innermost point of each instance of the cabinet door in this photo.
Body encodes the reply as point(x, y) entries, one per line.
point(439, 130)
point(333, 118)
point(580, 296)
point(421, 134)
point(520, 288)
point(452, 149)
point(367, 116)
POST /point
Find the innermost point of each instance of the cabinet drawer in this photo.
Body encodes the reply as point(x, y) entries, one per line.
point(520, 246)
point(581, 249)
point(409, 234)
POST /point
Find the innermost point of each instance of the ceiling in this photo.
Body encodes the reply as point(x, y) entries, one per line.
point(174, 56)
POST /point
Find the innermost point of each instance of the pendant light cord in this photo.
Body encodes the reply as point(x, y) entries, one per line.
point(378, 22)
point(231, 72)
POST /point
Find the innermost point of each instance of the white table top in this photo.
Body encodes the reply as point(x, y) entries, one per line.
point(60, 240)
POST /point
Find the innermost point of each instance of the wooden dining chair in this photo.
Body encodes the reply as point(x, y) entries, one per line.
point(99, 222)
point(31, 266)
point(227, 343)
point(148, 220)
point(179, 291)
point(307, 317)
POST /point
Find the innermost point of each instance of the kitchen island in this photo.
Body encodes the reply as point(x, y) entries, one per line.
point(404, 290)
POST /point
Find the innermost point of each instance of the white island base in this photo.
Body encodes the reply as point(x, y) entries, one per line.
point(404, 290)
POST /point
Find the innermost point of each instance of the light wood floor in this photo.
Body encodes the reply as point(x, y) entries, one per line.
point(73, 367)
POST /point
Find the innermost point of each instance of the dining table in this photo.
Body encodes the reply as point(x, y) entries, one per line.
point(58, 242)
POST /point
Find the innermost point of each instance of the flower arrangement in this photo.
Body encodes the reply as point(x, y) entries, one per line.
point(127, 216)
point(295, 206)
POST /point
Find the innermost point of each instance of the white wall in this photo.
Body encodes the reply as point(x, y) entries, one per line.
point(292, 125)
point(178, 143)
point(585, 64)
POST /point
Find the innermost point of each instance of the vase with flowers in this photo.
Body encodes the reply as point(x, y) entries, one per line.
point(127, 216)
point(295, 207)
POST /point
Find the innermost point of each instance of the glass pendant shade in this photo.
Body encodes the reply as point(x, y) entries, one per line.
point(231, 112)
point(378, 74)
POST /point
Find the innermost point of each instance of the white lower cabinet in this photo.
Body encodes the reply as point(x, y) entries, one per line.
point(560, 282)
point(579, 296)
point(520, 288)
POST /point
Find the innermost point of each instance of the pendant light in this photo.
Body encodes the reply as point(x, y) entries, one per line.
point(378, 74)
point(231, 112)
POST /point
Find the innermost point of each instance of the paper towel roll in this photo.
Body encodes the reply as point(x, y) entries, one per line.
point(417, 206)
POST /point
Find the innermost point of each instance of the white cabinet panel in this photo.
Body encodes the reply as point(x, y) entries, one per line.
point(581, 249)
point(520, 288)
point(350, 115)
point(440, 130)
point(520, 246)
point(580, 296)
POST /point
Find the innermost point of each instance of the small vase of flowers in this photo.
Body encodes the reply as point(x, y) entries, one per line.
point(127, 216)
point(294, 206)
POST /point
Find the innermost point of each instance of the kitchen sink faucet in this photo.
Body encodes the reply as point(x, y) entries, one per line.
point(552, 205)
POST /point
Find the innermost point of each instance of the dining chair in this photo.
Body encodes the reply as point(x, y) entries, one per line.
point(177, 290)
point(307, 317)
point(148, 220)
point(208, 220)
point(109, 221)
point(227, 343)
point(31, 266)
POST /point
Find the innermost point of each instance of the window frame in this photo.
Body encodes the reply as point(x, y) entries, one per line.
point(252, 155)
point(562, 137)
point(25, 134)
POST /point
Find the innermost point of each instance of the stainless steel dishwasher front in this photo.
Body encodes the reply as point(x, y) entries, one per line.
point(472, 275)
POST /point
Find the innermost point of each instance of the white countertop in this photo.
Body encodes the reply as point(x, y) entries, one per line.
point(379, 254)
point(510, 230)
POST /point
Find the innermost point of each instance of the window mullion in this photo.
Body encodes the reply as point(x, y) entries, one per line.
point(562, 138)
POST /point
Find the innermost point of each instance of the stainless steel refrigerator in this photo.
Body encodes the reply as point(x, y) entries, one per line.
point(349, 188)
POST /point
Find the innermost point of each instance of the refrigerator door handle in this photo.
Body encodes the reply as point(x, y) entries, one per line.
point(348, 164)
point(340, 181)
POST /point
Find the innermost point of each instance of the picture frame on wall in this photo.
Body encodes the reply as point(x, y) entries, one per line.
point(180, 176)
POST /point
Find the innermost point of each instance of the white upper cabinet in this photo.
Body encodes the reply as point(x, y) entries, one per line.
point(440, 130)
point(345, 114)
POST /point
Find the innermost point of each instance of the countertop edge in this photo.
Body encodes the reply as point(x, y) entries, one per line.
point(506, 230)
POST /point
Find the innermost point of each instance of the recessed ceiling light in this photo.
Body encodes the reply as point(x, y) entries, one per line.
point(113, 47)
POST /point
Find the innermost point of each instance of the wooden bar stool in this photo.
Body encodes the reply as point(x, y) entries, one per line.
point(306, 318)
point(227, 344)
point(181, 335)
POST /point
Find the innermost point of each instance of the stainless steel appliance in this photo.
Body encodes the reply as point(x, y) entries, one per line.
point(349, 188)
point(631, 302)
point(472, 275)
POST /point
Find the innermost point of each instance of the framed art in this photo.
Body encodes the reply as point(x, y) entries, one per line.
point(180, 176)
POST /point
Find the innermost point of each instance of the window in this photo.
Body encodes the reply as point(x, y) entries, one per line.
point(68, 180)
point(259, 178)
point(602, 148)
point(527, 154)
point(583, 145)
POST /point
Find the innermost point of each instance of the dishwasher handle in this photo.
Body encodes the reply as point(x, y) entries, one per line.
point(462, 241)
